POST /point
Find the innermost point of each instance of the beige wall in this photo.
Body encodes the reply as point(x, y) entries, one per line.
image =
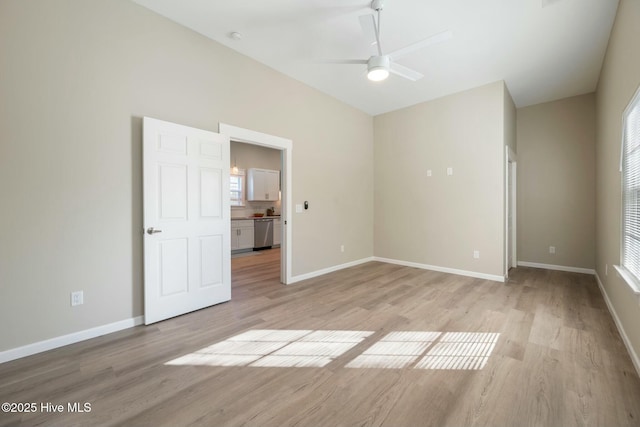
point(440, 220)
point(254, 156)
point(76, 78)
point(556, 182)
point(618, 82)
point(510, 121)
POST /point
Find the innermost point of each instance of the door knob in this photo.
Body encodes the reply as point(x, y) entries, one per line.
point(152, 230)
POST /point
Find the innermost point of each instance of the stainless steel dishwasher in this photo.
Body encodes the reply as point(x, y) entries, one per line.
point(262, 233)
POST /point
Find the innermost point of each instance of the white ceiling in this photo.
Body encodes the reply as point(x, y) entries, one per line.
point(543, 49)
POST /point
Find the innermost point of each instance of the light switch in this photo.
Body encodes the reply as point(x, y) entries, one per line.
point(449, 171)
point(298, 208)
point(428, 172)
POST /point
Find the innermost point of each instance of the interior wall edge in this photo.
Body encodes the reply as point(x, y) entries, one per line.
point(475, 274)
point(317, 273)
point(567, 268)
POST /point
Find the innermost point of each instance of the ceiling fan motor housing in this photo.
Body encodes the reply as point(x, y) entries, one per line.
point(377, 5)
point(378, 62)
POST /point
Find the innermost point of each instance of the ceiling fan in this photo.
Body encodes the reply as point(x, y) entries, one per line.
point(379, 66)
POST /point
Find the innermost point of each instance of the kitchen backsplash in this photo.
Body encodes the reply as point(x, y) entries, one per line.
point(254, 207)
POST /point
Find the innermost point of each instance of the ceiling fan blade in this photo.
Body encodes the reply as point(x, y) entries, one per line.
point(405, 72)
point(368, 24)
point(436, 38)
point(343, 61)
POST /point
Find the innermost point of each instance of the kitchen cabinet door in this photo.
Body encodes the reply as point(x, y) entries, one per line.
point(235, 238)
point(277, 231)
point(272, 185)
point(263, 185)
point(241, 234)
point(245, 239)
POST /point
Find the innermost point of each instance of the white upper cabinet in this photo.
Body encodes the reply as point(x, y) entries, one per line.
point(263, 185)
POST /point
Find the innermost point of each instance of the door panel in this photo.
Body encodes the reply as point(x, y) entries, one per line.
point(172, 144)
point(211, 248)
point(172, 191)
point(186, 219)
point(210, 193)
point(174, 270)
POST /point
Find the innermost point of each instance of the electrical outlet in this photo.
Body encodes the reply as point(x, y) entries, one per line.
point(476, 254)
point(77, 298)
point(341, 248)
point(449, 171)
point(552, 249)
point(428, 172)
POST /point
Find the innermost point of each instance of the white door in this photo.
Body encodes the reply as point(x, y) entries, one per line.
point(187, 254)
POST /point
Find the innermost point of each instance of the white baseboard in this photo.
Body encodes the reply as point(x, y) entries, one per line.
point(442, 269)
point(327, 270)
point(556, 267)
point(50, 344)
point(634, 356)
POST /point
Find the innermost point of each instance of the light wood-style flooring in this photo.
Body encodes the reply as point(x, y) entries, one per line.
point(559, 360)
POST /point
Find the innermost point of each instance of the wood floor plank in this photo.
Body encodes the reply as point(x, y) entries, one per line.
point(558, 359)
point(546, 329)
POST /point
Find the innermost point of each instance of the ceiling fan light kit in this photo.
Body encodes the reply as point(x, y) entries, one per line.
point(378, 68)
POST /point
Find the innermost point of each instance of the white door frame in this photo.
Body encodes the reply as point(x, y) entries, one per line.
point(286, 146)
point(510, 204)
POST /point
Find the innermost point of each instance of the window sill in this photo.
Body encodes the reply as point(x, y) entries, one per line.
point(630, 280)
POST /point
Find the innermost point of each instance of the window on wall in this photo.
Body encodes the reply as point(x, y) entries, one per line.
point(630, 166)
point(236, 186)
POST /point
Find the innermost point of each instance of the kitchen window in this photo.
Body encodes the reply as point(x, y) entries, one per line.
point(236, 185)
point(630, 168)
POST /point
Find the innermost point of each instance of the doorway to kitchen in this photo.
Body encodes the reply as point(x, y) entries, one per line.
point(260, 163)
point(256, 224)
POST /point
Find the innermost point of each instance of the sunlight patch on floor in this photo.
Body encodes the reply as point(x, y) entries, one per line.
point(396, 350)
point(276, 348)
point(460, 350)
point(309, 348)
